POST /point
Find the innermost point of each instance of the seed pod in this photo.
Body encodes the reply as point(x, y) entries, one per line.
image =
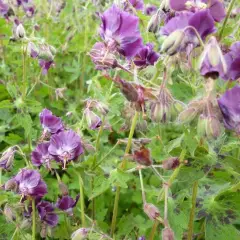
point(151, 211)
point(167, 234)
point(173, 42)
point(171, 163)
point(188, 115)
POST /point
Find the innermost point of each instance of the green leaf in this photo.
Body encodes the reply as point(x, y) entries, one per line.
point(25, 121)
point(175, 143)
point(119, 178)
point(6, 104)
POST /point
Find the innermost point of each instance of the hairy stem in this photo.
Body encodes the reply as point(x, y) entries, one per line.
point(154, 228)
point(82, 201)
point(230, 7)
point(192, 213)
point(123, 166)
point(142, 186)
point(33, 220)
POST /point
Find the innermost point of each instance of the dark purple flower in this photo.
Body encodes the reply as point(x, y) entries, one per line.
point(66, 204)
point(93, 120)
point(233, 63)
point(50, 123)
point(45, 65)
point(27, 6)
point(6, 160)
point(120, 31)
point(32, 50)
point(216, 7)
point(40, 156)
point(30, 183)
point(146, 56)
point(229, 104)
point(150, 9)
point(137, 4)
point(65, 146)
point(212, 63)
point(46, 213)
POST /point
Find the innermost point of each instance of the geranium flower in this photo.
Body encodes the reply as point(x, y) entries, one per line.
point(30, 183)
point(216, 7)
point(120, 31)
point(65, 146)
point(66, 204)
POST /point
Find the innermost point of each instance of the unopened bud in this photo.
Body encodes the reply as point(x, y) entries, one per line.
point(160, 112)
point(11, 184)
point(6, 160)
point(45, 53)
point(32, 50)
point(20, 31)
point(173, 42)
point(93, 120)
point(154, 22)
point(213, 127)
point(201, 127)
point(188, 115)
point(63, 188)
point(26, 224)
point(167, 234)
point(80, 234)
point(171, 163)
point(9, 214)
point(152, 211)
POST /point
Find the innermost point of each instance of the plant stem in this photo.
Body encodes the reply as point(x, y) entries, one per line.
point(0, 177)
point(230, 7)
point(24, 80)
point(82, 201)
point(166, 205)
point(33, 220)
point(174, 175)
point(123, 166)
point(15, 232)
point(142, 186)
point(192, 213)
point(154, 228)
point(66, 224)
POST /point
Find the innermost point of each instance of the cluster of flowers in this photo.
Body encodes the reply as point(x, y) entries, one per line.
point(63, 147)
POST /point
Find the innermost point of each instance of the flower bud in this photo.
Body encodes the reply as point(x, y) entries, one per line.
point(171, 163)
point(20, 31)
point(6, 160)
point(26, 224)
point(63, 188)
point(173, 42)
point(201, 126)
point(80, 234)
point(188, 115)
point(167, 234)
point(93, 120)
point(9, 214)
point(32, 50)
point(154, 22)
point(45, 53)
point(143, 156)
point(11, 184)
point(160, 112)
point(213, 127)
point(151, 211)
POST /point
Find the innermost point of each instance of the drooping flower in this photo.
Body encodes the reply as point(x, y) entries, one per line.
point(45, 65)
point(150, 9)
point(65, 146)
point(229, 104)
point(216, 7)
point(50, 123)
point(212, 63)
point(66, 204)
point(146, 56)
point(93, 120)
point(120, 31)
point(47, 214)
point(137, 4)
point(30, 183)
point(40, 156)
point(27, 6)
point(185, 23)
point(6, 160)
point(142, 156)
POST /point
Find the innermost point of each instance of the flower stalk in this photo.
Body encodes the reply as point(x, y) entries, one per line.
point(33, 219)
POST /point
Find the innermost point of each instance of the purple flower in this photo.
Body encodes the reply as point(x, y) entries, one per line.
point(233, 63)
point(142, 238)
point(212, 63)
point(216, 7)
point(4, 8)
point(146, 56)
point(150, 10)
point(6, 160)
point(50, 123)
point(45, 65)
point(27, 6)
point(40, 156)
point(229, 104)
point(65, 146)
point(93, 120)
point(66, 204)
point(137, 4)
point(120, 31)
point(30, 183)
point(46, 213)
